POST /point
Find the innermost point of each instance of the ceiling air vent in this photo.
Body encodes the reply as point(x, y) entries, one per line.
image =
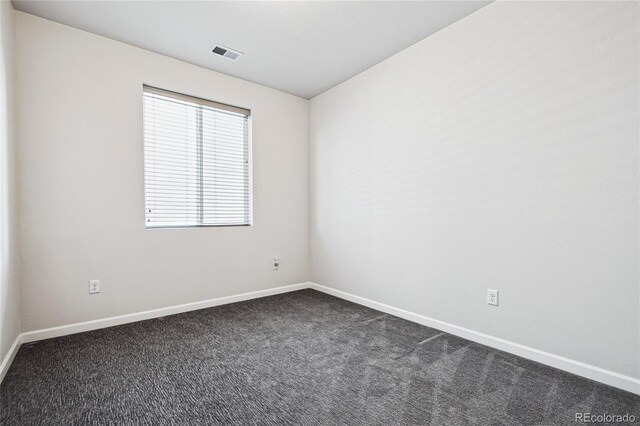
point(226, 52)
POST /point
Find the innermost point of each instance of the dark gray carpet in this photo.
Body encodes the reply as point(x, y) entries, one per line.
point(301, 358)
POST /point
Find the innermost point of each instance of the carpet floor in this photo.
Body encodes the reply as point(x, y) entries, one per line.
point(301, 358)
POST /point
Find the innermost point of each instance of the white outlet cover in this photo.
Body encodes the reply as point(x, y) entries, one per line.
point(492, 297)
point(94, 286)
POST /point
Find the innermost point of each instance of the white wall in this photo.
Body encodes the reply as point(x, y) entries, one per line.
point(9, 251)
point(81, 176)
point(501, 152)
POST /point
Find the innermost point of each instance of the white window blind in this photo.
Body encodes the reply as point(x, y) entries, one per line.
point(196, 162)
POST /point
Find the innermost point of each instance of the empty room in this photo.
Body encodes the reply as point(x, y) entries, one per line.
point(319, 212)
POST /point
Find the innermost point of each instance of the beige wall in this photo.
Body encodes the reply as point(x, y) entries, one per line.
point(9, 251)
point(81, 174)
point(501, 152)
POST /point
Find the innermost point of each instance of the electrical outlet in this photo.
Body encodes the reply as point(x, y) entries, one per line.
point(276, 264)
point(492, 297)
point(94, 286)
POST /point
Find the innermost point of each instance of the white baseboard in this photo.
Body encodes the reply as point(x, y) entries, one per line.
point(8, 358)
point(576, 367)
point(64, 330)
point(608, 377)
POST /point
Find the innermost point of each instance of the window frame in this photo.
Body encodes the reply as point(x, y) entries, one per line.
point(217, 105)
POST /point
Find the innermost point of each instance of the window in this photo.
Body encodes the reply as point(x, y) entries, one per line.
point(196, 162)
